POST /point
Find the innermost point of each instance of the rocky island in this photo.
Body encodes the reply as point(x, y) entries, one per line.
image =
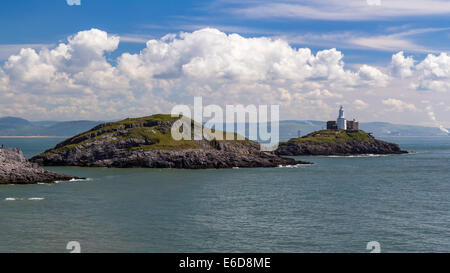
point(15, 169)
point(147, 142)
point(337, 142)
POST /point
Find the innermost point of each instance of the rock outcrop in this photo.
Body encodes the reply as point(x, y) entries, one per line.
point(337, 142)
point(147, 142)
point(15, 169)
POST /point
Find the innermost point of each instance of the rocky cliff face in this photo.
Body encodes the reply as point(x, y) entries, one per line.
point(147, 142)
point(337, 142)
point(15, 169)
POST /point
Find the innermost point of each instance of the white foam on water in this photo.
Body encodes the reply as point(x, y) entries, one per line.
point(352, 156)
point(22, 199)
point(291, 166)
point(74, 180)
point(79, 180)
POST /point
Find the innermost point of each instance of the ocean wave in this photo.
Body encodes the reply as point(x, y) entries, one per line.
point(352, 156)
point(291, 166)
point(74, 180)
point(24, 199)
point(80, 180)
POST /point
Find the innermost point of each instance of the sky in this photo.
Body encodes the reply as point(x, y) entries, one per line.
point(103, 60)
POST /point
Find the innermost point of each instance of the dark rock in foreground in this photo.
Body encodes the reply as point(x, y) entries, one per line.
point(147, 142)
point(337, 142)
point(15, 169)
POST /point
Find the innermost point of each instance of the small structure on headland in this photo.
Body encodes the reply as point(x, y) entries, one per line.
point(342, 138)
point(342, 124)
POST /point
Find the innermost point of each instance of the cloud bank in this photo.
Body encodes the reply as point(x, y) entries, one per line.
point(76, 77)
point(79, 79)
point(432, 74)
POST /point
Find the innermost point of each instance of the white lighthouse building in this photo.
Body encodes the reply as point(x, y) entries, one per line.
point(341, 122)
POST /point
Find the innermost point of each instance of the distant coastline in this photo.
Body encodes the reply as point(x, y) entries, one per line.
point(14, 126)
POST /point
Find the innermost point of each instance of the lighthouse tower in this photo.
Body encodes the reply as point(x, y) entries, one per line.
point(341, 122)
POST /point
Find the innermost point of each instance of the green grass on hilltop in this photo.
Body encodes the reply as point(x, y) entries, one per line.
point(107, 128)
point(156, 136)
point(157, 117)
point(332, 136)
point(160, 140)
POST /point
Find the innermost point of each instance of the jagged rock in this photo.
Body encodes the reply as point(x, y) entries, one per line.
point(15, 169)
point(147, 142)
point(337, 142)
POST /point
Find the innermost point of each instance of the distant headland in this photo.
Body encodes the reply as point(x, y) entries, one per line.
point(147, 142)
point(342, 137)
point(13, 127)
point(337, 142)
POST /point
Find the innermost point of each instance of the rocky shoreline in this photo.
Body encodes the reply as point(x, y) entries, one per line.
point(337, 142)
point(15, 169)
point(146, 142)
point(186, 159)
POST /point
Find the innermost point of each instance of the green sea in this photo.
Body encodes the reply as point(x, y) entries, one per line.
point(339, 204)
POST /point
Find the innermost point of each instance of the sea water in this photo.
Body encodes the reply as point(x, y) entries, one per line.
point(339, 204)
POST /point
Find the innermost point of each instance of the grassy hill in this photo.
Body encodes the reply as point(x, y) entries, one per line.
point(337, 142)
point(332, 136)
point(147, 142)
point(144, 133)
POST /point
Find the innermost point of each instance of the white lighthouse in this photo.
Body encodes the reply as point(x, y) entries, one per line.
point(341, 122)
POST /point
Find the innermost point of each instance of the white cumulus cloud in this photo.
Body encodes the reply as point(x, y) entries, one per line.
point(76, 80)
point(399, 105)
point(372, 76)
point(401, 66)
point(360, 104)
point(434, 73)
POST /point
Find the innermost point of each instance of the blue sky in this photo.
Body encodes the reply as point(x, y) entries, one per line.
point(367, 33)
point(45, 22)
